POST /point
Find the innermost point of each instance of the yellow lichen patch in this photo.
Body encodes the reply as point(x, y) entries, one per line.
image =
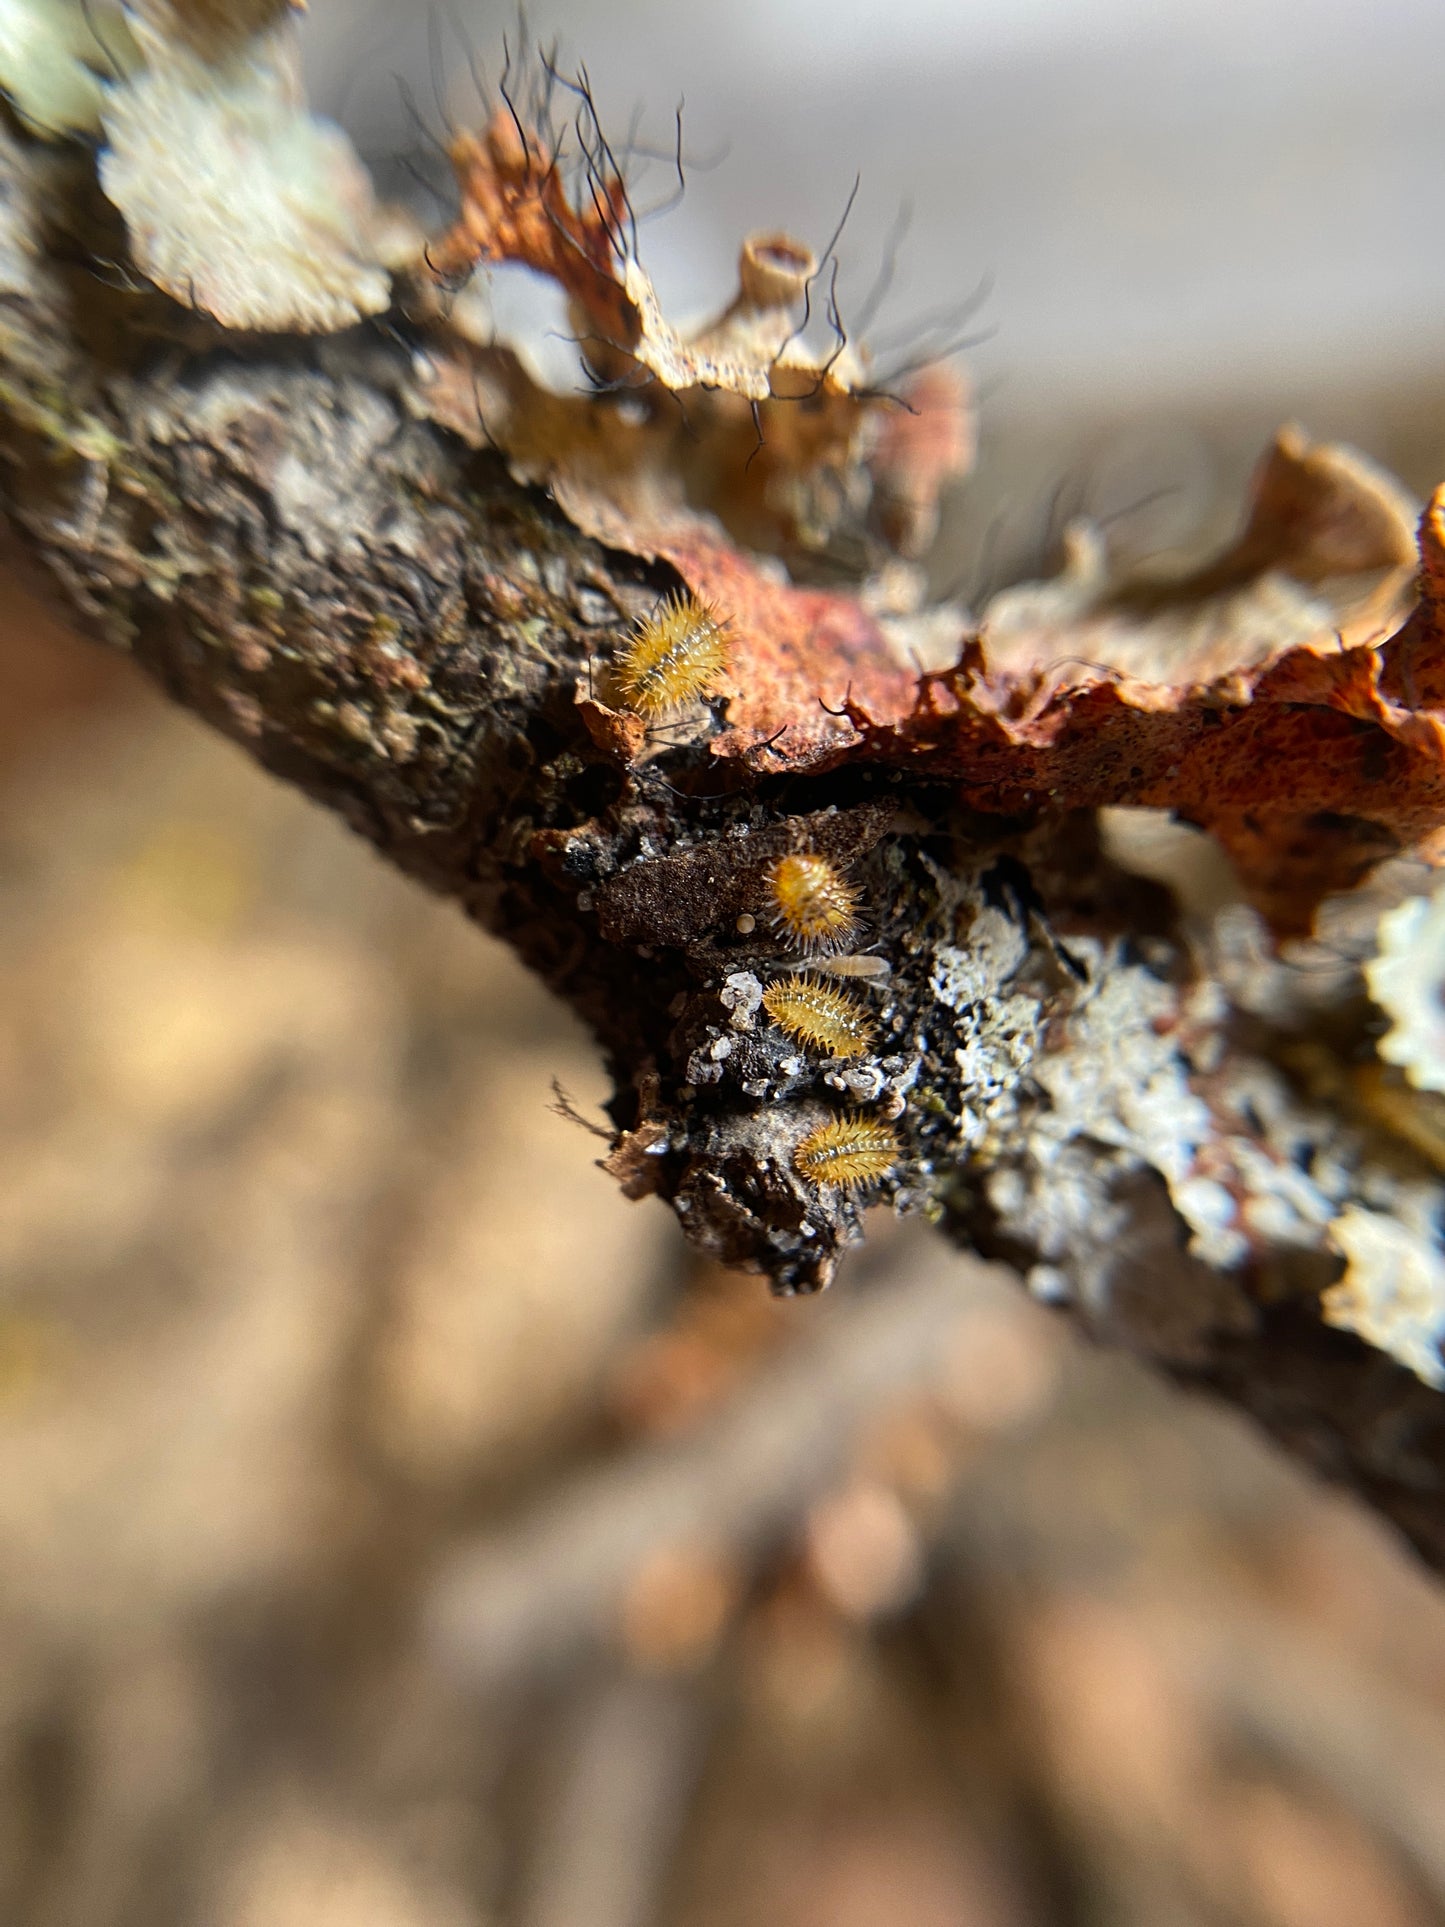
point(847, 1152)
point(674, 656)
point(819, 1016)
point(814, 905)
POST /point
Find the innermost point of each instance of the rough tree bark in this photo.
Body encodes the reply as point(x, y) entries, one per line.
point(382, 614)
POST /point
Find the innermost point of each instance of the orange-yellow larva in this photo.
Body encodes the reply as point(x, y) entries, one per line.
point(849, 1151)
point(673, 656)
point(819, 1016)
point(814, 905)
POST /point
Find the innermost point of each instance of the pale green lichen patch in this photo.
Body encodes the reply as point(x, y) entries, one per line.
point(1393, 1291)
point(239, 202)
point(55, 57)
point(1122, 1079)
point(997, 1028)
point(1407, 980)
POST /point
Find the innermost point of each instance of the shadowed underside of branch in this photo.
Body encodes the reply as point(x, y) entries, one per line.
point(1155, 1126)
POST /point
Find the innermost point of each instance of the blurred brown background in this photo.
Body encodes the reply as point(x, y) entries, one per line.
point(397, 1528)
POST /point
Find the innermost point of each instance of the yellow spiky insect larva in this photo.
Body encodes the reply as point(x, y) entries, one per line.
point(819, 1016)
point(672, 657)
point(814, 906)
point(848, 1152)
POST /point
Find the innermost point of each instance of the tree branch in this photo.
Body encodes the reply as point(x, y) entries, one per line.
point(1070, 1080)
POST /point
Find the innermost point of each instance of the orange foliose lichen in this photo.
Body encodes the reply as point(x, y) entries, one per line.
point(515, 206)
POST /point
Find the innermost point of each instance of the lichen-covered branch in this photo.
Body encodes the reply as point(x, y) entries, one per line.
point(966, 999)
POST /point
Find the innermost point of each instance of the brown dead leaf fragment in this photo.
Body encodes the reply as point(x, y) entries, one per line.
point(634, 1163)
point(1412, 679)
point(635, 1159)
